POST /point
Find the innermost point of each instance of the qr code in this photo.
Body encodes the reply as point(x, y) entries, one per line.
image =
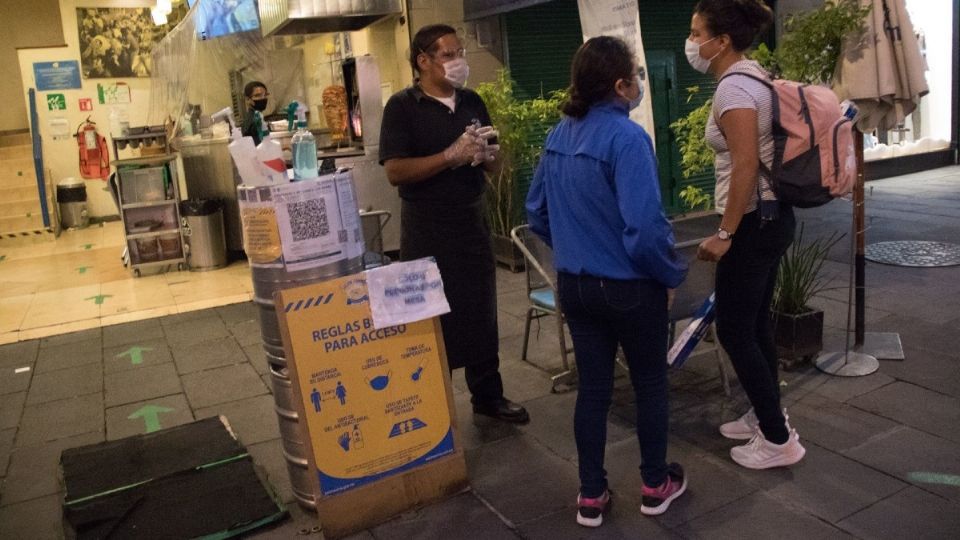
point(308, 219)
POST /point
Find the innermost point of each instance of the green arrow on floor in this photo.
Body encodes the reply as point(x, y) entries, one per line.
point(87, 246)
point(99, 298)
point(3, 257)
point(150, 415)
point(135, 353)
point(83, 269)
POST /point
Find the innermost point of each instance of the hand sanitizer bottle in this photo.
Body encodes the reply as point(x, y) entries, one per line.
point(304, 149)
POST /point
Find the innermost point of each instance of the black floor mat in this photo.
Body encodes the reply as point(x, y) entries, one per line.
point(190, 481)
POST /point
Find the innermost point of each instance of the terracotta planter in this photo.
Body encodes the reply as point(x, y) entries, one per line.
point(506, 253)
point(798, 337)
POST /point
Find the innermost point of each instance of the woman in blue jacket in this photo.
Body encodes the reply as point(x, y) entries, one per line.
point(595, 199)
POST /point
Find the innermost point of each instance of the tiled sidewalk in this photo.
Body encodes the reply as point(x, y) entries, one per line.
point(883, 451)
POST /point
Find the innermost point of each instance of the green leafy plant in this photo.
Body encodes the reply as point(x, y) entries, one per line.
point(812, 40)
point(696, 156)
point(798, 278)
point(694, 197)
point(523, 126)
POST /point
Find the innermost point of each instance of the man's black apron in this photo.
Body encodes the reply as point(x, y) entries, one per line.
point(458, 237)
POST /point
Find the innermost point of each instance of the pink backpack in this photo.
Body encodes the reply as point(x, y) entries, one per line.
point(813, 160)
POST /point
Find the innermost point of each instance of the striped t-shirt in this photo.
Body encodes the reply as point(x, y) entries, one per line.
point(740, 93)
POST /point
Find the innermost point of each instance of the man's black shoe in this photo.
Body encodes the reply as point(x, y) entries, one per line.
point(504, 410)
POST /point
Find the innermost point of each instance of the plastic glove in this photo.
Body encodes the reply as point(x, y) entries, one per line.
point(486, 132)
point(463, 150)
point(488, 153)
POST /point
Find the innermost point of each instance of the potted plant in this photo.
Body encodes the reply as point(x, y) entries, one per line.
point(798, 328)
point(523, 127)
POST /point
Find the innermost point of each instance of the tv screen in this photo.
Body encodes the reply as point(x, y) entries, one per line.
point(217, 18)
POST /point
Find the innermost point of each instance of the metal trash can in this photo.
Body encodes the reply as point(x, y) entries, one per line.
point(203, 232)
point(72, 199)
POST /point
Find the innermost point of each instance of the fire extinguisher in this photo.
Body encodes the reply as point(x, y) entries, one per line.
point(94, 157)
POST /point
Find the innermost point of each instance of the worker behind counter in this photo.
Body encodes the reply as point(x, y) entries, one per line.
point(255, 95)
point(435, 142)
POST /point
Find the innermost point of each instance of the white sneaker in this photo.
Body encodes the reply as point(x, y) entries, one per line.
point(744, 427)
point(760, 453)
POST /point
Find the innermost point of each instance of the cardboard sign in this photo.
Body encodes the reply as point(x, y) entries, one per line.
point(376, 404)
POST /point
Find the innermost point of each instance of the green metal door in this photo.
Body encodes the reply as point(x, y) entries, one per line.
point(661, 70)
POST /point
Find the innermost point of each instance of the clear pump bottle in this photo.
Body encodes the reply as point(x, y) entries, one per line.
point(304, 149)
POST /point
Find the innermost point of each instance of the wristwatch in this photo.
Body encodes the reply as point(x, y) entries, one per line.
point(723, 234)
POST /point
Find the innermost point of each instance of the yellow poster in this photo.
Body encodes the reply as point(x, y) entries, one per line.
point(375, 400)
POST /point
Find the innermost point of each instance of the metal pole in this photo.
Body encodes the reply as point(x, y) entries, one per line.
point(859, 228)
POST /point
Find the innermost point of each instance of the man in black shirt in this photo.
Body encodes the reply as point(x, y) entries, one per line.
point(255, 94)
point(435, 142)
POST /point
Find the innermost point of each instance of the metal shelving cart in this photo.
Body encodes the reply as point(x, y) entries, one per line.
point(149, 197)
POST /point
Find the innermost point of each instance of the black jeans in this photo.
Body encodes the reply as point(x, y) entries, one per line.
point(745, 279)
point(601, 314)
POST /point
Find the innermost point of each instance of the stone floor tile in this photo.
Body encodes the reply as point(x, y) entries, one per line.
point(145, 353)
point(911, 455)
point(253, 420)
point(190, 332)
point(12, 381)
point(73, 337)
point(37, 519)
point(70, 355)
point(6, 448)
point(141, 384)
point(269, 456)
point(247, 333)
point(910, 513)
point(20, 354)
point(66, 383)
point(301, 525)
point(34, 471)
point(208, 354)
point(509, 475)
point(157, 413)
point(932, 370)
point(552, 424)
point(234, 314)
point(11, 407)
point(132, 333)
point(477, 430)
point(623, 522)
point(826, 484)
point(834, 425)
point(220, 385)
point(759, 516)
point(462, 516)
point(916, 407)
point(60, 419)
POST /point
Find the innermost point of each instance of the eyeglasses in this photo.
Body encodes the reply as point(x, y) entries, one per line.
point(449, 55)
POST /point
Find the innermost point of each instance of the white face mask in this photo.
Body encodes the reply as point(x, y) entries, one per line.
point(697, 62)
point(456, 72)
point(634, 103)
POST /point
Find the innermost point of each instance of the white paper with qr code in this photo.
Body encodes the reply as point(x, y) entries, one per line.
point(406, 292)
point(349, 213)
point(309, 221)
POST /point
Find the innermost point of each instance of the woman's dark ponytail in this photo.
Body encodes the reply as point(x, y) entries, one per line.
point(597, 66)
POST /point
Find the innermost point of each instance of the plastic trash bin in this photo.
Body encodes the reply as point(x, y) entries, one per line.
point(72, 199)
point(203, 232)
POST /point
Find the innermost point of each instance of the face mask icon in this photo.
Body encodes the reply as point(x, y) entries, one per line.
point(379, 382)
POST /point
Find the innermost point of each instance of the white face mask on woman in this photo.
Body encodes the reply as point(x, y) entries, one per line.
point(634, 103)
point(456, 72)
point(697, 62)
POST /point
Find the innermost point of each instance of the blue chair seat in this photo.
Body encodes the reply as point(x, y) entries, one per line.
point(544, 298)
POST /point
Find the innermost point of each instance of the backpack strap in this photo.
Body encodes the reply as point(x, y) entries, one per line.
point(779, 137)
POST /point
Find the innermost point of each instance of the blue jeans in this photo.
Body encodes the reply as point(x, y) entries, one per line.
point(601, 314)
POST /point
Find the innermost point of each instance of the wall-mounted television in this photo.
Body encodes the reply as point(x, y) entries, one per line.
point(217, 18)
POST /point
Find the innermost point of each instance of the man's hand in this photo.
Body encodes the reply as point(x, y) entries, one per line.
point(463, 150)
point(712, 249)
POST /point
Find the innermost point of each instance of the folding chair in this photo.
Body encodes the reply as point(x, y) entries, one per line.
point(541, 294)
point(372, 222)
point(689, 296)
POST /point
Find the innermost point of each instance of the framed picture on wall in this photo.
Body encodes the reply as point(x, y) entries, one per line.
point(118, 42)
